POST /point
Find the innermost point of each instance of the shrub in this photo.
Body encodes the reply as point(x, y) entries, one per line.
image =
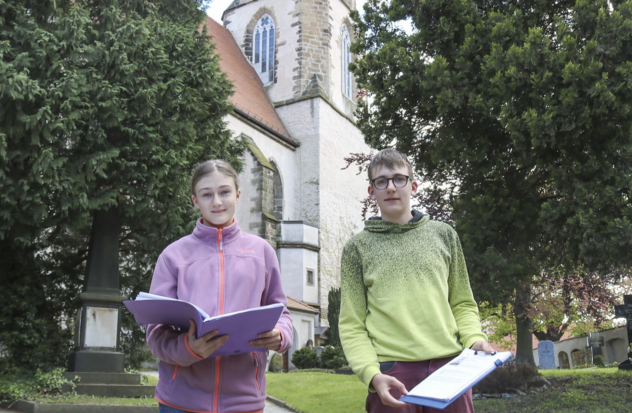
point(305, 358)
point(15, 385)
point(332, 357)
point(508, 377)
point(599, 361)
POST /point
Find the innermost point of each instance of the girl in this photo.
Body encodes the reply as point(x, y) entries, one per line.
point(222, 270)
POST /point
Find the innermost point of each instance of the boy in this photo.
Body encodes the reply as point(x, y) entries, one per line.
point(407, 306)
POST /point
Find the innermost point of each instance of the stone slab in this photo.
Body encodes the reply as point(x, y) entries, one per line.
point(24, 406)
point(103, 378)
point(112, 390)
point(546, 354)
point(96, 361)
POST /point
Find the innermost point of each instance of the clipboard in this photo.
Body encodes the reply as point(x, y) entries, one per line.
point(451, 381)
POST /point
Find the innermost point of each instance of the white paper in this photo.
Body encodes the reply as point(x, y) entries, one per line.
point(458, 375)
point(149, 296)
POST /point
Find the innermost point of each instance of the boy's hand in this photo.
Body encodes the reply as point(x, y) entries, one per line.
point(205, 345)
point(482, 346)
point(383, 383)
point(270, 340)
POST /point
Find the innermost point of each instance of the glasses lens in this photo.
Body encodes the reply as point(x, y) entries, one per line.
point(381, 183)
point(400, 181)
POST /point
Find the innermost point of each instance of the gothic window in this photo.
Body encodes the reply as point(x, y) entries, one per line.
point(347, 80)
point(263, 50)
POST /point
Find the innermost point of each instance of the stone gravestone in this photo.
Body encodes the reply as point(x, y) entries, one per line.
point(625, 311)
point(546, 354)
point(596, 342)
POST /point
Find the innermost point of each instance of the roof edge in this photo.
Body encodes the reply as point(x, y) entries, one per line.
point(287, 139)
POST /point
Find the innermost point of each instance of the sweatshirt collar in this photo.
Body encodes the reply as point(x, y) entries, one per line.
point(375, 224)
point(210, 234)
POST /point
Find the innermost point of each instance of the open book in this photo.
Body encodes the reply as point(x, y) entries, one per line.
point(241, 326)
point(455, 378)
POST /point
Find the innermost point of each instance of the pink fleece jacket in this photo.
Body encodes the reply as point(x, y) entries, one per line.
point(221, 271)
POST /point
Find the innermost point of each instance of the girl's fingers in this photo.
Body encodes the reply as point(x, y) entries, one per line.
point(208, 336)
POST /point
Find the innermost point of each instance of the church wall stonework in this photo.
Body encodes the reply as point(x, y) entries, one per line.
point(328, 196)
point(241, 22)
point(308, 54)
point(284, 162)
point(308, 95)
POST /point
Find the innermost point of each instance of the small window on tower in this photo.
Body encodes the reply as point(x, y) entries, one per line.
point(347, 77)
point(263, 49)
point(310, 277)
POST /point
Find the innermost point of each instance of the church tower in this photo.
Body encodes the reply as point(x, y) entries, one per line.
point(300, 50)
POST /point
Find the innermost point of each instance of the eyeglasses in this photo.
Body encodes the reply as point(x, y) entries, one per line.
point(399, 181)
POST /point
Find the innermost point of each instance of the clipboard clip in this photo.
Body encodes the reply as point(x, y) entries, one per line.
point(476, 353)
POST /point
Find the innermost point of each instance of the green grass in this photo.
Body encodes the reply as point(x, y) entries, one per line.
point(575, 372)
point(313, 392)
point(584, 390)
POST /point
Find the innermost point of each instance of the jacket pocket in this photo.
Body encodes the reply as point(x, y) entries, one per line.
point(175, 373)
point(386, 366)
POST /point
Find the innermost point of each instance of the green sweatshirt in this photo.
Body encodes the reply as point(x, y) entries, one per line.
point(406, 296)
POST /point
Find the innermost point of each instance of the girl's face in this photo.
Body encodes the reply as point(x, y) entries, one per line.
point(216, 197)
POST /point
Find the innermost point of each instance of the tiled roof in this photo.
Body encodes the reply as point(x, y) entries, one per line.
point(250, 99)
point(299, 305)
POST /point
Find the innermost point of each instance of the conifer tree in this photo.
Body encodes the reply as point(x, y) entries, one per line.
point(103, 104)
point(522, 110)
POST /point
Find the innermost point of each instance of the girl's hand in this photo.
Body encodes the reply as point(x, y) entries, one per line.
point(205, 345)
point(270, 340)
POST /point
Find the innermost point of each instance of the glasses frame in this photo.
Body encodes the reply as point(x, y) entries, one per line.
point(391, 180)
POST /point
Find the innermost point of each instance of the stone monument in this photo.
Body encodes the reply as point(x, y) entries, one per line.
point(596, 342)
point(625, 311)
point(546, 354)
point(98, 325)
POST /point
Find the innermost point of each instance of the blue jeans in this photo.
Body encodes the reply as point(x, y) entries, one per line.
point(169, 409)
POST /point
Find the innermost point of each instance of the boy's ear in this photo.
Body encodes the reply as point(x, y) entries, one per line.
point(371, 192)
point(237, 197)
point(194, 202)
point(414, 187)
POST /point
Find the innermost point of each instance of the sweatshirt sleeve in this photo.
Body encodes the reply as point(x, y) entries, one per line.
point(460, 296)
point(165, 342)
point(273, 294)
point(353, 334)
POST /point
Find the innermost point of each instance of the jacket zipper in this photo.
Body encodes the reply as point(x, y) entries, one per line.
point(220, 245)
point(254, 355)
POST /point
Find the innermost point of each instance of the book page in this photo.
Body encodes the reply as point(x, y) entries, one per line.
point(148, 296)
point(458, 375)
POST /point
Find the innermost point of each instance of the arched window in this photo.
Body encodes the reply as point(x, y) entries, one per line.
point(263, 49)
point(347, 80)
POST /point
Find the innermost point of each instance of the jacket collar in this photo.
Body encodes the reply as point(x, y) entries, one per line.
point(210, 234)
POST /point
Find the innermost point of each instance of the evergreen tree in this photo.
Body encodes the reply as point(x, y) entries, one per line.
point(522, 110)
point(333, 316)
point(103, 104)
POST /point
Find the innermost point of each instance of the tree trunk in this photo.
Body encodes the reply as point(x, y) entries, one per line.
point(524, 325)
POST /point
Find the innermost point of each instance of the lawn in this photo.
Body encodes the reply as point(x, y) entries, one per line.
point(585, 390)
point(315, 392)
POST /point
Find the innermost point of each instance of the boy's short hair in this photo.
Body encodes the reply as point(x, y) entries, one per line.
point(390, 158)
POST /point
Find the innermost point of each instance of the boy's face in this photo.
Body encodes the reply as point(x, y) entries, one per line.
point(394, 202)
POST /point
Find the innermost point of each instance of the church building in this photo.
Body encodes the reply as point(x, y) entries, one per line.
point(294, 104)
